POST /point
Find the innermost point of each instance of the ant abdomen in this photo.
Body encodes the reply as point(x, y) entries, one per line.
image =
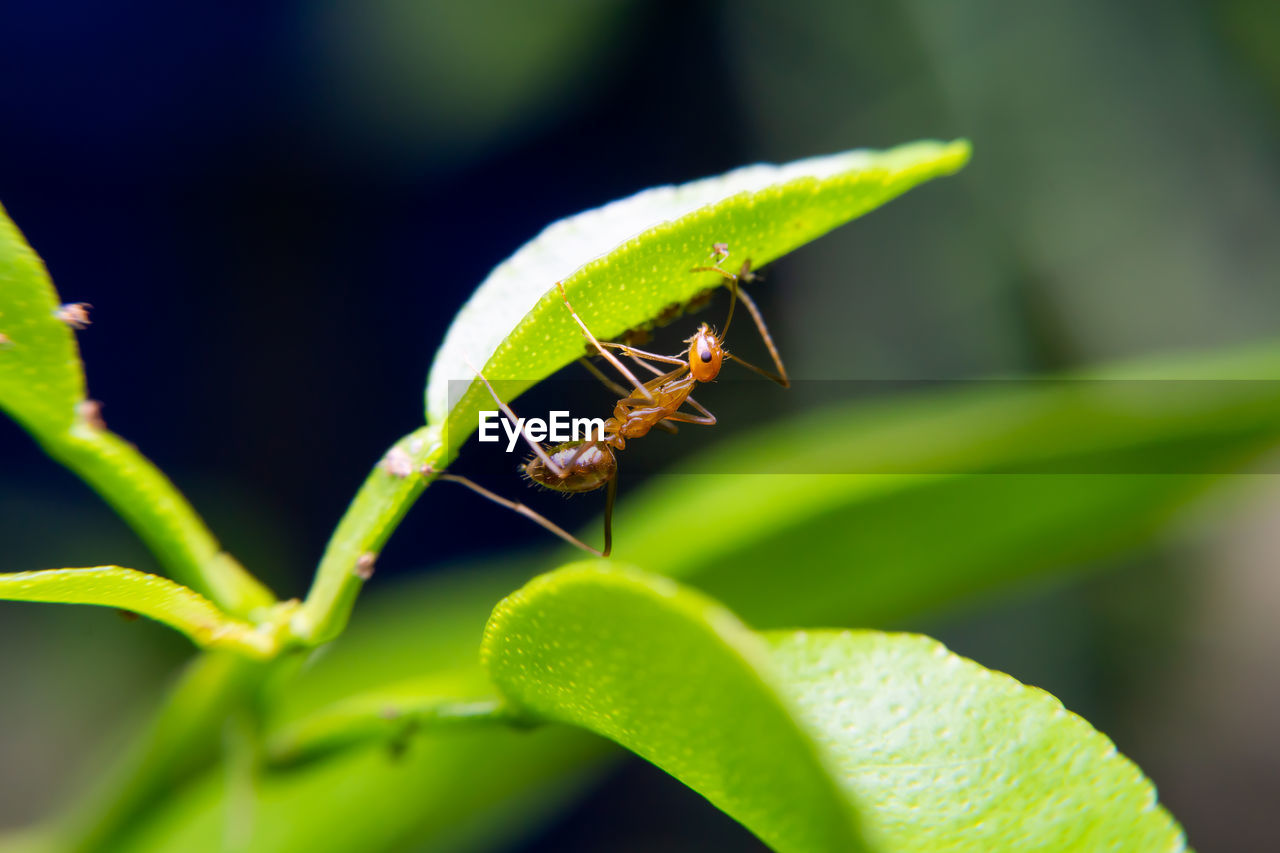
point(585, 467)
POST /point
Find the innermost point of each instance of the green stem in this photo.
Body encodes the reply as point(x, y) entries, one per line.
point(376, 718)
point(159, 514)
point(182, 739)
point(387, 494)
point(148, 595)
point(242, 745)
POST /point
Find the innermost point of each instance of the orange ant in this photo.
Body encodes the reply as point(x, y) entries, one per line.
point(584, 466)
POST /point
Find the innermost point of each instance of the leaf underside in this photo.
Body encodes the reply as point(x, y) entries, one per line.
point(623, 263)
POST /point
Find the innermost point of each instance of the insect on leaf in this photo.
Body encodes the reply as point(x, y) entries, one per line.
point(623, 263)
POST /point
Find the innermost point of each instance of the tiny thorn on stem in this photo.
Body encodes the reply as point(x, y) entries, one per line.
point(90, 412)
point(397, 462)
point(74, 314)
point(364, 565)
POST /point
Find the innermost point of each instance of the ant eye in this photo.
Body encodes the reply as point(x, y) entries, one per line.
point(704, 354)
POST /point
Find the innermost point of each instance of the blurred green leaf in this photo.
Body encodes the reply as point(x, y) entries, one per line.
point(796, 736)
point(623, 263)
point(40, 377)
point(388, 716)
point(147, 595)
point(178, 741)
point(472, 790)
point(425, 85)
point(462, 790)
point(865, 513)
point(787, 549)
point(676, 678)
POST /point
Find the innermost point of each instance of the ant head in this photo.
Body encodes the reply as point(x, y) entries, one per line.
point(705, 354)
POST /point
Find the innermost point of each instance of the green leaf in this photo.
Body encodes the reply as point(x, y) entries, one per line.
point(796, 735)
point(622, 264)
point(866, 513)
point(679, 680)
point(42, 386)
point(870, 564)
point(40, 378)
point(441, 792)
point(517, 326)
point(945, 756)
point(147, 595)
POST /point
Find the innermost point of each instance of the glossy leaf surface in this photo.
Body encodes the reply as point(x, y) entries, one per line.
point(944, 755)
point(926, 750)
point(676, 678)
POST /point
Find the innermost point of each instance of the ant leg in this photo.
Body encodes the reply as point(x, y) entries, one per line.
point(707, 419)
point(717, 269)
point(608, 515)
point(656, 371)
point(608, 356)
point(632, 352)
point(541, 519)
point(537, 448)
point(686, 418)
point(622, 392)
point(605, 380)
point(781, 376)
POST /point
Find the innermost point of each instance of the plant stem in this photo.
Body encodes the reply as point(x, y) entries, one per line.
point(387, 494)
point(376, 718)
point(182, 739)
point(159, 514)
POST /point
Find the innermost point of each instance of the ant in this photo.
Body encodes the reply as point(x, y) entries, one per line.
point(584, 466)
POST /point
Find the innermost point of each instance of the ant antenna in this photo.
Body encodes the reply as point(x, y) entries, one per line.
point(733, 301)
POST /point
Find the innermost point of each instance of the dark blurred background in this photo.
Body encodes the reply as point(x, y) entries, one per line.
point(276, 209)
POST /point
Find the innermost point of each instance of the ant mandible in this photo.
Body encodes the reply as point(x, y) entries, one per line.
point(585, 466)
